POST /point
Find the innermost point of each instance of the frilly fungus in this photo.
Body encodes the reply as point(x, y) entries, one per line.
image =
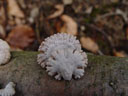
point(62, 56)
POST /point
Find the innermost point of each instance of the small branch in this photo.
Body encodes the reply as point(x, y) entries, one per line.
point(102, 75)
point(4, 2)
point(102, 32)
point(118, 12)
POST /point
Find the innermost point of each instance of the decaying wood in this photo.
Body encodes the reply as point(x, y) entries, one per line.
point(105, 76)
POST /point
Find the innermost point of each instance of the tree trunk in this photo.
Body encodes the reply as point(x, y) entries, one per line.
point(104, 76)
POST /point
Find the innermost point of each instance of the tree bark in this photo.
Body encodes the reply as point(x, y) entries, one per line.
point(104, 76)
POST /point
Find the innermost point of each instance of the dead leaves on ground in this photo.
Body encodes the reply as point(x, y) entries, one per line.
point(2, 22)
point(66, 25)
point(21, 36)
point(70, 26)
point(2, 15)
point(119, 53)
point(67, 2)
point(15, 11)
point(89, 44)
point(60, 10)
point(2, 32)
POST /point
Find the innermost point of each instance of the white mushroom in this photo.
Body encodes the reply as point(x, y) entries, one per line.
point(8, 90)
point(4, 52)
point(62, 56)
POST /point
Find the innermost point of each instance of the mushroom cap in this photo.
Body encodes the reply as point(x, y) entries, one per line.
point(59, 41)
point(4, 56)
point(4, 52)
point(4, 45)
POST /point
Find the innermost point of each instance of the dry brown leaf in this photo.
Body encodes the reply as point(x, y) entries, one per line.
point(70, 26)
point(2, 16)
point(60, 10)
point(21, 36)
point(14, 10)
point(119, 53)
point(58, 25)
point(2, 31)
point(89, 44)
point(63, 29)
point(22, 3)
point(67, 2)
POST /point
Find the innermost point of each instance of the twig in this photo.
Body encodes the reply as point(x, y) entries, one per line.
point(100, 52)
point(125, 2)
point(103, 32)
point(117, 12)
point(4, 2)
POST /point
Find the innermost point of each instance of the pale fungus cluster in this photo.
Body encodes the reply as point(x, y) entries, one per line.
point(62, 56)
point(9, 90)
point(5, 56)
point(4, 52)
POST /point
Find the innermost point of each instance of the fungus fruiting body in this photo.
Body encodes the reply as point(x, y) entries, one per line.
point(62, 56)
point(4, 52)
point(8, 90)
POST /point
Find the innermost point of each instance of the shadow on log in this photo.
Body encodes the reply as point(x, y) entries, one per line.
point(104, 76)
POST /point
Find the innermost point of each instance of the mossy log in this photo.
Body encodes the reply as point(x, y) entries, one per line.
point(104, 76)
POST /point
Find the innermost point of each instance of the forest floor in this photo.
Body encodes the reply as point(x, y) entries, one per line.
point(100, 25)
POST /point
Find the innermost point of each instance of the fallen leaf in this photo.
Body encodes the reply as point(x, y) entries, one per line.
point(119, 53)
point(21, 36)
point(2, 32)
point(58, 26)
point(67, 2)
point(63, 29)
point(70, 26)
point(2, 16)
point(15, 11)
point(89, 44)
point(22, 3)
point(60, 10)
